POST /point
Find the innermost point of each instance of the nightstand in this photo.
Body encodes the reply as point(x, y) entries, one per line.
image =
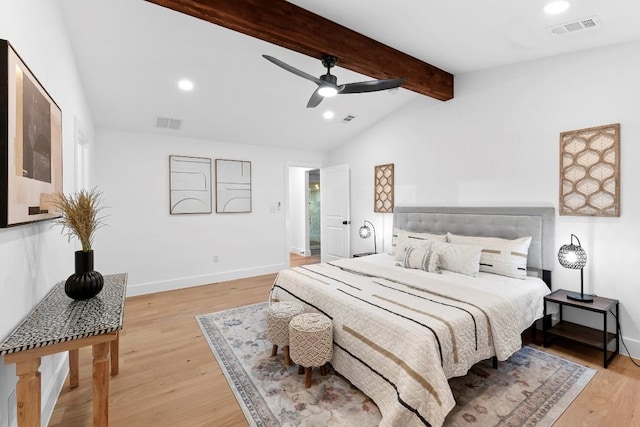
point(599, 339)
point(362, 254)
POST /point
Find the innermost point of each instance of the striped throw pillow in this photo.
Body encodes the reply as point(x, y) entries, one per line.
point(421, 259)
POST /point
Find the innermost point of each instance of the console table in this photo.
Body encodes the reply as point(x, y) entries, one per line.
point(58, 324)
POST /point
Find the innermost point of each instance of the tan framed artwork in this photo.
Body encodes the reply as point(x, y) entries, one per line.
point(590, 171)
point(30, 144)
point(383, 188)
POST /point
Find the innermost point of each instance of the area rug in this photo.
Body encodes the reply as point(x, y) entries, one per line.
point(532, 388)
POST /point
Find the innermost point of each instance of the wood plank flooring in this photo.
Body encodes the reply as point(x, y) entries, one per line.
point(168, 376)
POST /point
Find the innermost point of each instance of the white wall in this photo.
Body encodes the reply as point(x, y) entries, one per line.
point(497, 143)
point(34, 257)
point(160, 251)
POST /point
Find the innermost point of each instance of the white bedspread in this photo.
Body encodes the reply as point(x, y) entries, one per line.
point(399, 334)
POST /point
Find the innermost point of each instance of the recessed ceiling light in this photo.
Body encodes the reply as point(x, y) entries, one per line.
point(556, 7)
point(185, 84)
point(328, 115)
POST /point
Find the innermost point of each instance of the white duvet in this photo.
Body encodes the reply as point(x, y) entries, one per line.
point(399, 334)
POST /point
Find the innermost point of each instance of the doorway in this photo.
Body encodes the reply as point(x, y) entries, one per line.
point(303, 210)
point(317, 215)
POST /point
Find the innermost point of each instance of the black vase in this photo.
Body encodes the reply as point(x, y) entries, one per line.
point(85, 283)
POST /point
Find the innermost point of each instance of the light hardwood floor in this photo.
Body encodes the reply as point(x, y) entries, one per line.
point(168, 376)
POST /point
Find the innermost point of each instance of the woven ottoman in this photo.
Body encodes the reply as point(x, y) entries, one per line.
point(278, 318)
point(311, 343)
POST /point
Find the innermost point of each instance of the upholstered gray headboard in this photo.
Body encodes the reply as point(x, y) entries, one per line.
point(504, 222)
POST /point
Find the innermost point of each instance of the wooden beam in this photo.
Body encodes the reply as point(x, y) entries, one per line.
point(287, 25)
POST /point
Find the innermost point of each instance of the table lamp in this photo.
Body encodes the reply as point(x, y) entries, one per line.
point(365, 233)
point(573, 256)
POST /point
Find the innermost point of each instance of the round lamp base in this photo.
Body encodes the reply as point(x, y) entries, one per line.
point(580, 297)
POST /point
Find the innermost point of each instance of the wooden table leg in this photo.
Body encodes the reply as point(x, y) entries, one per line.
point(101, 384)
point(74, 379)
point(28, 392)
point(115, 354)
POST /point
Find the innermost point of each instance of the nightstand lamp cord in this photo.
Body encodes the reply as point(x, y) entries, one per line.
point(622, 340)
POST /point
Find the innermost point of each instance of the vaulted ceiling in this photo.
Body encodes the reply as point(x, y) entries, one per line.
point(131, 54)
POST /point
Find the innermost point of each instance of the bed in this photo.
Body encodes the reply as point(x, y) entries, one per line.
point(400, 333)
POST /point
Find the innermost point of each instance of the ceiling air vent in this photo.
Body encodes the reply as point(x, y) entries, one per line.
point(348, 118)
point(168, 123)
point(573, 26)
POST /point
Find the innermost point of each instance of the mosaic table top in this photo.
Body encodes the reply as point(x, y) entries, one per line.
point(58, 318)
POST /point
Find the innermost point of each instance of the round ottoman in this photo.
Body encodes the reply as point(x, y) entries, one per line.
point(311, 343)
point(278, 318)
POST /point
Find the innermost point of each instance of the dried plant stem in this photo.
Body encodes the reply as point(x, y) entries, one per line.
point(80, 218)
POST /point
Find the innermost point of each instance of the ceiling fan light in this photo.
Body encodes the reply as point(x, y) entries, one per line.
point(327, 91)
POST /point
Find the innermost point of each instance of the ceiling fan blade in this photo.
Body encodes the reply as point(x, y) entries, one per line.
point(370, 86)
point(293, 69)
point(315, 99)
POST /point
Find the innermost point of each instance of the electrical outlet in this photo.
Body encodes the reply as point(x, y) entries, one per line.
point(11, 408)
point(215, 259)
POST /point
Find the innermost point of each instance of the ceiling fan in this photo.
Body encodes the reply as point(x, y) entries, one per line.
point(328, 83)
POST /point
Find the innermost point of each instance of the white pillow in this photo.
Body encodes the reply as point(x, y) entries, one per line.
point(422, 260)
point(464, 259)
point(405, 242)
point(499, 256)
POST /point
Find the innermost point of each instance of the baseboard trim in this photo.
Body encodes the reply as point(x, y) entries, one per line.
point(189, 282)
point(633, 346)
point(50, 396)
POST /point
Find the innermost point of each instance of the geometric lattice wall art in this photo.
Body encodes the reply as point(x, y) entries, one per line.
point(383, 188)
point(590, 171)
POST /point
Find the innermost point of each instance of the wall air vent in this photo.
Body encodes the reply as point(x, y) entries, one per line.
point(573, 26)
point(348, 118)
point(168, 123)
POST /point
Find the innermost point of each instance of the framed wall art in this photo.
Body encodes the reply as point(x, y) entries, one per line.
point(189, 185)
point(30, 144)
point(233, 186)
point(590, 171)
point(383, 188)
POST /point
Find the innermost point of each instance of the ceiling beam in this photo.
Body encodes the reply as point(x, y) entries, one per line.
point(287, 25)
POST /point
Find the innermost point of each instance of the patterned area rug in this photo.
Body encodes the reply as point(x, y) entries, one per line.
point(532, 388)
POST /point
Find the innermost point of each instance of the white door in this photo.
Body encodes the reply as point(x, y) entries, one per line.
point(335, 221)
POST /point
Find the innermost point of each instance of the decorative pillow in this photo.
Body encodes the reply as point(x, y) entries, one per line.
point(399, 234)
point(464, 259)
point(499, 256)
point(421, 259)
point(405, 242)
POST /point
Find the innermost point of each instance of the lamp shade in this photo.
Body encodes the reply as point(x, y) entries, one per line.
point(572, 256)
point(365, 232)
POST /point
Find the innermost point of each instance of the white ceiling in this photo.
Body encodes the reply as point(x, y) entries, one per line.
point(131, 54)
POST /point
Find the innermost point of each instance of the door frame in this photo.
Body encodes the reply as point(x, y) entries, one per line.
point(287, 200)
